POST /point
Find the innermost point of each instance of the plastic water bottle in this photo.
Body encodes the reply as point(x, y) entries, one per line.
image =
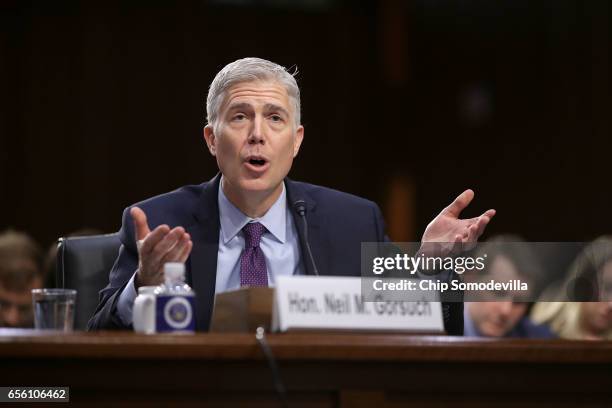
point(175, 302)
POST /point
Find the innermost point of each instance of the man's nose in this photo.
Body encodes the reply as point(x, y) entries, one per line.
point(256, 135)
point(505, 308)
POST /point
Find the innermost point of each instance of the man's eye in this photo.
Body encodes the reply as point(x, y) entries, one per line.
point(276, 118)
point(501, 294)
point(239, 117)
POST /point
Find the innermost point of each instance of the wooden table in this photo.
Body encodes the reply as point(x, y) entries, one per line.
point(318, 370)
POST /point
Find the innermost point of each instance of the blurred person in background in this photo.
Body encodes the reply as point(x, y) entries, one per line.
point(500, 314)
point(588, 286)
point(20, 272)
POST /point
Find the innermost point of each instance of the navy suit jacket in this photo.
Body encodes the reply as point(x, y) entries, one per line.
point(337, 225)
point(526, 329)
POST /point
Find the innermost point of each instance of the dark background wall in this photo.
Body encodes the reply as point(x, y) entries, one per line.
point(102, 105)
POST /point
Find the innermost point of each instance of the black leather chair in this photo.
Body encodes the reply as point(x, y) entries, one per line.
point(83, 263)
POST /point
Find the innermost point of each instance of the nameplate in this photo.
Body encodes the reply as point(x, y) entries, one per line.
point(336, 303)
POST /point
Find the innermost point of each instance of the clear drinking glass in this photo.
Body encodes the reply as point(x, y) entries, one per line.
point(54, 309)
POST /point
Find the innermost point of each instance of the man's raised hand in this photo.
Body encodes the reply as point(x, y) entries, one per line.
point(157, 247)
point(448, 228)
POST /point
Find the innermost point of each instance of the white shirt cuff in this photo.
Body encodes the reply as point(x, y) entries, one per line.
point(125, 303)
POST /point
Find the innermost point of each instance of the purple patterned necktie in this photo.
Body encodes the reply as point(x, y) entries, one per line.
point(252, 261)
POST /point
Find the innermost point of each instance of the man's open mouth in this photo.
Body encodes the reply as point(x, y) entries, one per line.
point(257, 162)
point(256, 159)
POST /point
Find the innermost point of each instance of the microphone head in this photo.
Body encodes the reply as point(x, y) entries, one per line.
point(300, 207)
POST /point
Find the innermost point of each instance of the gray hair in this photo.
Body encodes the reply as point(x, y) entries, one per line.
point(248, 70)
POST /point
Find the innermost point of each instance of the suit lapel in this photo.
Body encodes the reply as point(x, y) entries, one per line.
point(296, 192)
point(203, 259)
point(205, 238)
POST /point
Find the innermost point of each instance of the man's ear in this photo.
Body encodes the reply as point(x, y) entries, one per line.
point(297, 142)
point(210, 139)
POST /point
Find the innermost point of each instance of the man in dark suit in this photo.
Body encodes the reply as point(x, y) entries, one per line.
point(246, 226)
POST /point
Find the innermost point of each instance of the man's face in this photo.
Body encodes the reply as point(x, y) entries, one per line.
point(495, 319)
point(257, 139)
point(597, 316)
point(16, 307)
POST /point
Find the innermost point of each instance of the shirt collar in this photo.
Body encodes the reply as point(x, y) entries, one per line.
point(469, 328)
point(233, 220)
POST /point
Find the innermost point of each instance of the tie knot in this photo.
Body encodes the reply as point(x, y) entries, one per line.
point(252, 234)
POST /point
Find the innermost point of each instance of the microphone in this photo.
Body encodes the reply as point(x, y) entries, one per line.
point(300, 208)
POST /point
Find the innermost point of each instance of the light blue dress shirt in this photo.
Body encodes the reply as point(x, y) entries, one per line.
point(280, 246)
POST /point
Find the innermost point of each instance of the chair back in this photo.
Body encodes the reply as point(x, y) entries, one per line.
point(84, 263)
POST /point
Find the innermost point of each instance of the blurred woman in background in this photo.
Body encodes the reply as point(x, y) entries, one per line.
point(583, 306)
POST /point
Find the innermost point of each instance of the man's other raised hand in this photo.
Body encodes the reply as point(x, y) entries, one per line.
point(157, 247)
point(454, 232)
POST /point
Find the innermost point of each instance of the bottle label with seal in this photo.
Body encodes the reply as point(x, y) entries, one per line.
point(175, 313)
